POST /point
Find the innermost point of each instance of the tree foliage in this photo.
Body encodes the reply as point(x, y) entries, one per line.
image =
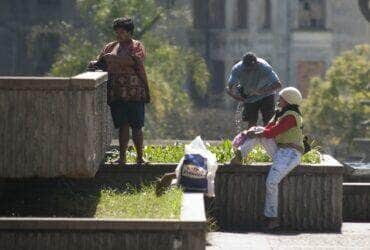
point(172, 68)
point(333, 110)
point(42, 42)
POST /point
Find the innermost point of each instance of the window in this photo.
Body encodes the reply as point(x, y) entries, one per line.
point(305, 71)
point(209, 13)
point(267, 13)
point(311, 14)
point(264, 15)
point(216, 13)
point(200, 13)
point(241, 14)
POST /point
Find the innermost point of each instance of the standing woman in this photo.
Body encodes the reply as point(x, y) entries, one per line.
point(128, 89)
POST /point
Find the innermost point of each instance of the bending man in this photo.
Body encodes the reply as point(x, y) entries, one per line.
point(257, 85)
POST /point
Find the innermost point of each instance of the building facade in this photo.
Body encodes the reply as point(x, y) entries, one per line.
point(299, 38)
point(17, 17)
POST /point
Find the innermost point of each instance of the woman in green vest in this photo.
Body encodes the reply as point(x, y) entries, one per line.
point(283, 140)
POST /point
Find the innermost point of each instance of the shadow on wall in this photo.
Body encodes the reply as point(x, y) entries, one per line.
point(66, 197)
point(57, 197)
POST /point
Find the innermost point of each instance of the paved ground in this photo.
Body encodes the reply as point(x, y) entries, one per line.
point(353, 236)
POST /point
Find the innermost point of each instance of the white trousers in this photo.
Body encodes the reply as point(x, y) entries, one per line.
point(284, 160)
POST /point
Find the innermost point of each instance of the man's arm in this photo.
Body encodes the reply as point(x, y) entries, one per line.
point(236, 97)
point(232, 81)
point(268, 89)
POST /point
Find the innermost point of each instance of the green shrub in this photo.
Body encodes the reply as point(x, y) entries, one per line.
point(332, 110)
point(223, 151)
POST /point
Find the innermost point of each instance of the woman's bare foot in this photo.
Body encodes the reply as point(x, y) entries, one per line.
point(122, 159)
point(119, 162)
point(142, 161)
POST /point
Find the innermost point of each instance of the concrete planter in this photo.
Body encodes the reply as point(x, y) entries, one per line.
point(310, 196)
point(356, 195)
point(89, 234)
point(52, 126)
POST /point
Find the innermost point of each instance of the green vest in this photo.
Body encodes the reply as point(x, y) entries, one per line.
point(293, 135)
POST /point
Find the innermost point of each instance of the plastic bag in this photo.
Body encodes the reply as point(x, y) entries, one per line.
point(197, 169)
point(239, 139)
point(242, 136)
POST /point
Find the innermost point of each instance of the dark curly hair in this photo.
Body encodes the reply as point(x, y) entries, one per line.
point(125, 23)
point(249, 59)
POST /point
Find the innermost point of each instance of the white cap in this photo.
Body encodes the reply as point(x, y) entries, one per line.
point(291, 95)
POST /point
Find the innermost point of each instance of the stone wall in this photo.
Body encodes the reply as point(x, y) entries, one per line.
point(310, 197)
point(186, 233)
point(356, 201)
point(53, 126)
point(356, 194)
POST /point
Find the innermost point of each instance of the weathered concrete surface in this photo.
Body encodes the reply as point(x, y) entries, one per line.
point(356, 201)
point(354, 174)
point(310, 197)
point(189, 232)
point(53, 126)
point(354, 236)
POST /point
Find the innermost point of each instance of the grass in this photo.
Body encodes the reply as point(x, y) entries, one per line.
point(224, 153)
point(64, 199)
point(139, 204)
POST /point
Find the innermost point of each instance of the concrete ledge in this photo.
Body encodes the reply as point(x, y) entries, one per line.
point(91, 224)
point(79, 233)
point(193, 208)
point(357, 175)
point(87, 80)
point(356, 201)
point(317, 37)
point(328, 165)
point(356, 187)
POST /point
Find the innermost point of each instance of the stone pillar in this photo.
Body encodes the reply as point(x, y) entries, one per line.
point(52, 126)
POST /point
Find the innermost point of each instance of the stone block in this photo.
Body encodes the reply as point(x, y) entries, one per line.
point(53, 127)
point(187, 233)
